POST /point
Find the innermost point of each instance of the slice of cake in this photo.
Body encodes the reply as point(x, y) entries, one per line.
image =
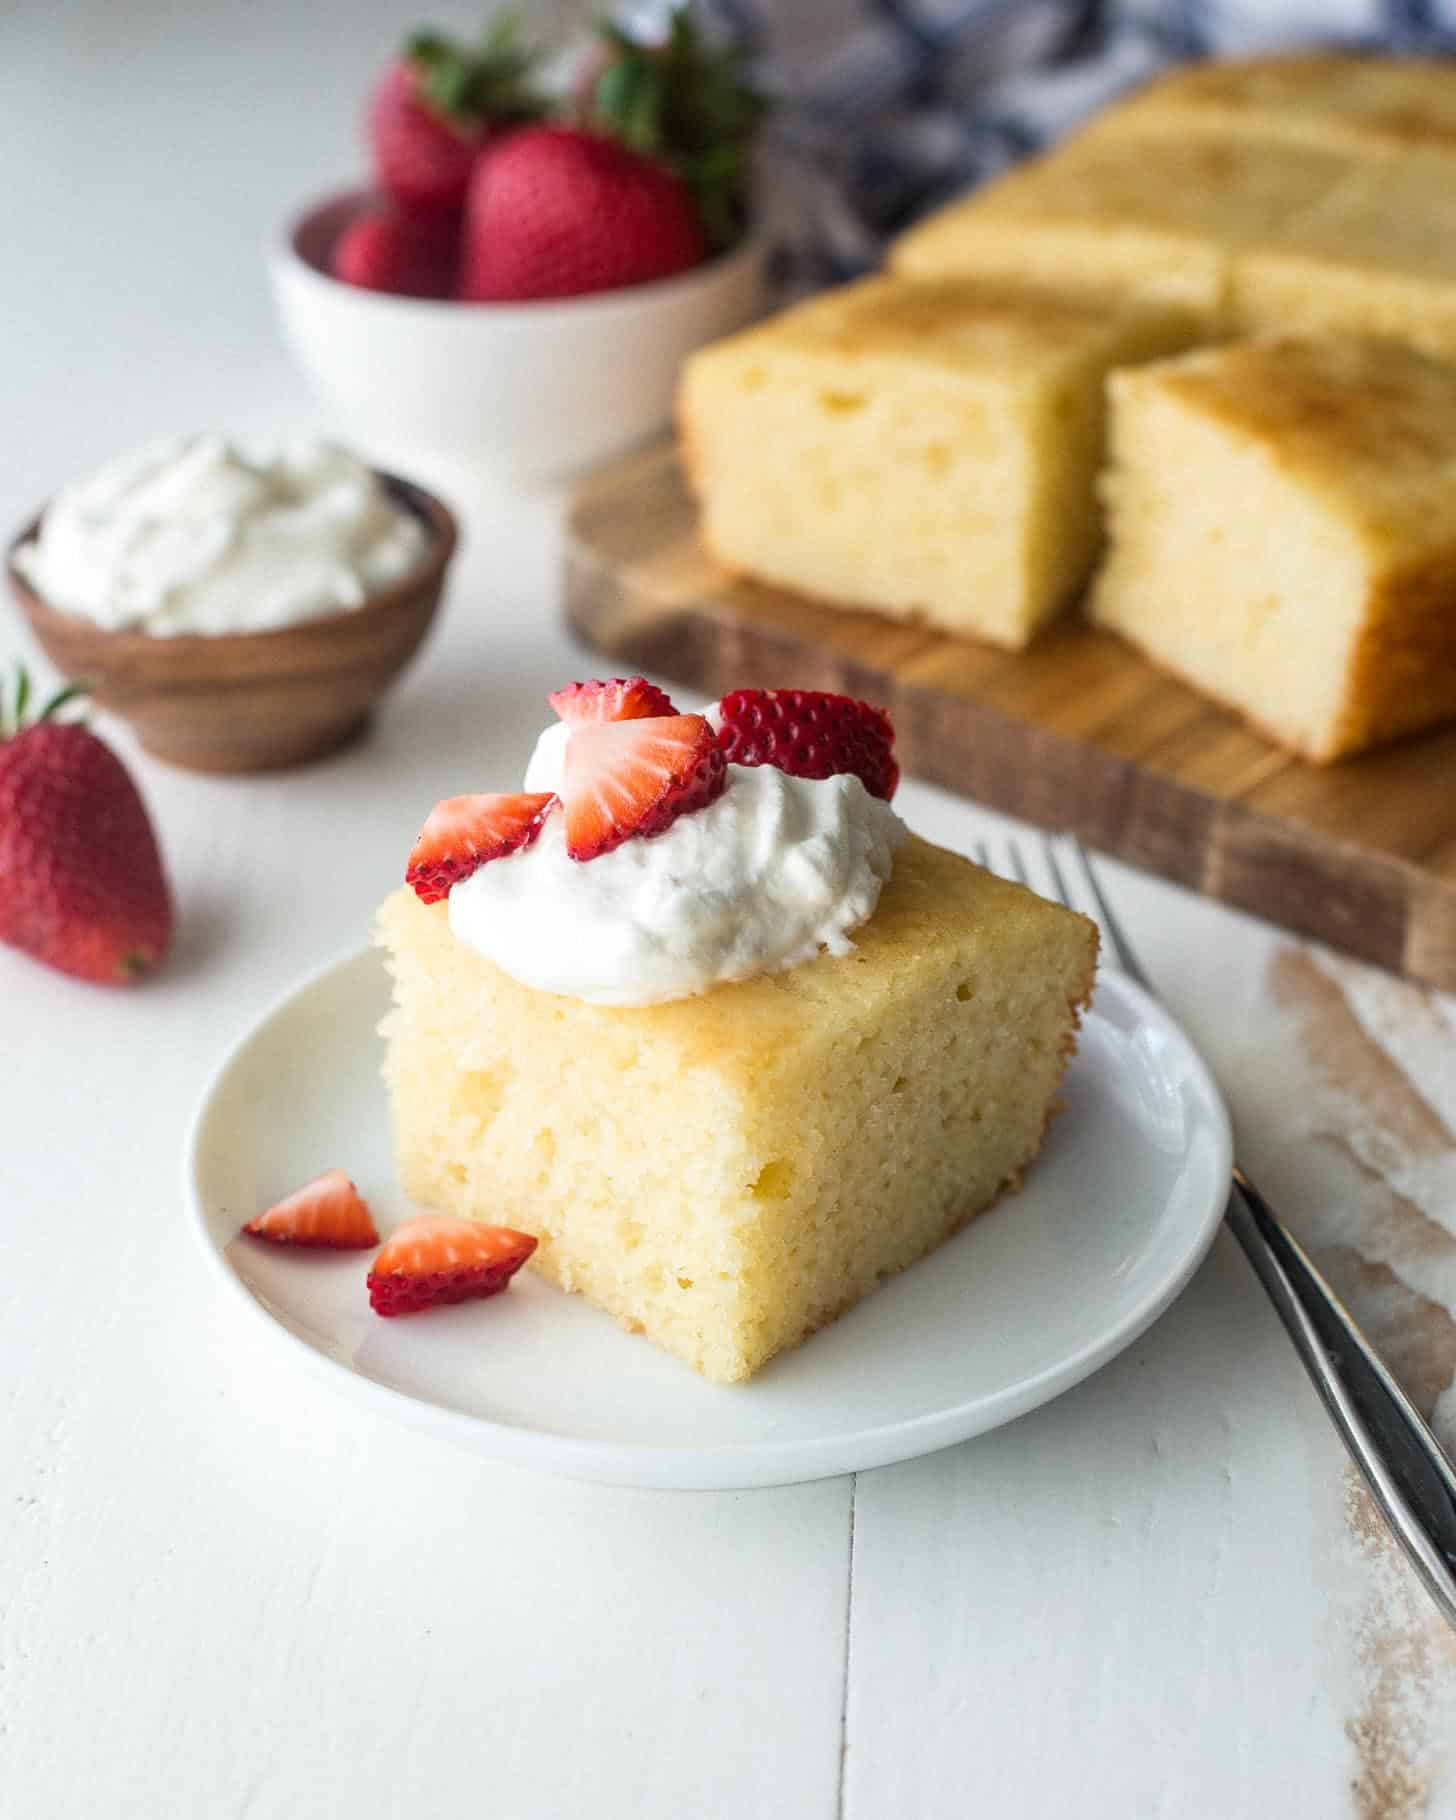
point(726, 1172)
point(1365, 105)
point(1376, 257)
point(1142, 216)
point(1283, 534)
point(927, 450)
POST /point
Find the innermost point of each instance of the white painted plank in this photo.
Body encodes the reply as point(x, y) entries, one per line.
point(1111, 1607)
point(224, 1594)
point(222, 1582)
point(1166, 1594)
point(234, 1595)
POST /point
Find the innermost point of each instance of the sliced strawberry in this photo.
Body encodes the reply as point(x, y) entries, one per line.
point(463, 832)
point(623, 698)
point(810, 733)
point(636, 777)
point(436, 1259)
point(328, 1212)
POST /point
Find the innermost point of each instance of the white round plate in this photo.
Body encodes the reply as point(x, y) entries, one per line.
point(1114, 1217)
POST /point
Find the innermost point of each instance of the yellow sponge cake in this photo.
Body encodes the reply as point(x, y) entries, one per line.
point(1339, 101)
point(927, 450)
point(1376, 257)
point(727, 1173)
point(1155, 217)
point(1282, 524)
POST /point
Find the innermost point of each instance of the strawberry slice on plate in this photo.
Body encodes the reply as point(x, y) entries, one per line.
point(810, 733)
point(437, 1259)
point(636, 777)
point(464, 832)
point(619, 698)
point(327, 1213)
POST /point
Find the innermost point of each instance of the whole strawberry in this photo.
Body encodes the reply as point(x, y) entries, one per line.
point(434, 108)
point(685, 101)
point(81, 880)
point(555, 211)
point(406, 255)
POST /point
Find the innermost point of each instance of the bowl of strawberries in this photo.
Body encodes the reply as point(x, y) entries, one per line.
point(515, 291)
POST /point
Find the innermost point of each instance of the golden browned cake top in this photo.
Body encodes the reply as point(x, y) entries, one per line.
point(1370, 426)
point(1394, 214)
point(1399, 101)
point(982, 328)
point(1315, 77)
point(1228, 187)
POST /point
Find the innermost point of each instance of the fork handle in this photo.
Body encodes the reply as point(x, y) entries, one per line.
point(1404, 1464)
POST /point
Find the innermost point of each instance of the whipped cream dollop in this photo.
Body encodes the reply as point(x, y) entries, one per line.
point(192, 535)
point(775, 870)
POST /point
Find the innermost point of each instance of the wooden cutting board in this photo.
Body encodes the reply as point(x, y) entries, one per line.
point(1078, 733)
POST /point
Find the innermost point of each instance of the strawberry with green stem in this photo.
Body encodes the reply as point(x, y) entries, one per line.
point(648, 181)
point(82, 887)
point(436, 106)
point(688, 104)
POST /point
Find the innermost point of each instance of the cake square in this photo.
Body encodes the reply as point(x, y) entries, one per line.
point(1365, 105)
point(927, 450)
point(1116, 214)
point(728, 1173)
point(1376, 257)
point(1283, 534)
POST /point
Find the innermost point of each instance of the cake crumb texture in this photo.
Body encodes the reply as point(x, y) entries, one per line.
point(728, 1173)
point(1283, 534)
point(928, 450)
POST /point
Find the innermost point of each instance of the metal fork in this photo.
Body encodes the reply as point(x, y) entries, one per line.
point(1408, 1472)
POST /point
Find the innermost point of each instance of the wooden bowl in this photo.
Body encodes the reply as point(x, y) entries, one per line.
point(252, 701)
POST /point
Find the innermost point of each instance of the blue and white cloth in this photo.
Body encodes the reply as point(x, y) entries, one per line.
point(885, 108)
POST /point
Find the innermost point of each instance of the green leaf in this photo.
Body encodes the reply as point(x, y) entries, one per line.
point(629, 98)
point(504, 33)
point(617, 37)
point(427, 48)
point(476, 84)
point(616, 87)
point(62, 699)
point(690, 103)
point(22, 695)
point(448, 82)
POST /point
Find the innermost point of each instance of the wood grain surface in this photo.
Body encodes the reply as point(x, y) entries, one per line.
point(1077, 733)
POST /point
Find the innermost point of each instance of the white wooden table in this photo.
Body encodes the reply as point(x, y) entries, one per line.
point(227, 1595)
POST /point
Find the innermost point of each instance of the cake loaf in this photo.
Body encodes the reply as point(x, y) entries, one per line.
point(1283, 534)
point(927, 450)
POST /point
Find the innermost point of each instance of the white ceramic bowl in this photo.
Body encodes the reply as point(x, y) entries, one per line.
point(528, 390)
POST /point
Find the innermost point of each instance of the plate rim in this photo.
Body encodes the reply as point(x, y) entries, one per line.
point(683, 1467)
